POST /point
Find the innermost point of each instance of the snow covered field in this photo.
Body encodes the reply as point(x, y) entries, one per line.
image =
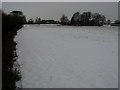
point(68, 57)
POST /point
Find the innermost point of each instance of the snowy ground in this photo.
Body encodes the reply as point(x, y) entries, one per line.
point(68, 57)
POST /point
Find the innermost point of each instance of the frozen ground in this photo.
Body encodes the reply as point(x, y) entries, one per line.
point(68, 57)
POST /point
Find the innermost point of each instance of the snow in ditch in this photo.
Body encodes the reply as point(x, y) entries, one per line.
point(68, 57)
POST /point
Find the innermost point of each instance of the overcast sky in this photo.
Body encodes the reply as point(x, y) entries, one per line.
point(54, 10)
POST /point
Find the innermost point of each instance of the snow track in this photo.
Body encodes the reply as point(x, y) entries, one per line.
point(68, 57)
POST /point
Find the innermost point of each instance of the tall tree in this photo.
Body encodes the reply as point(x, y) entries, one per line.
point(86, 18)
point(75, 20)
point(18, 17)
point(98, 19)
point(64, 20)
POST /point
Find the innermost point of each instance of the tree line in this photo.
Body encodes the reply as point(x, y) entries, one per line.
point(84, 19)
point(38, 20)
point(87, 19)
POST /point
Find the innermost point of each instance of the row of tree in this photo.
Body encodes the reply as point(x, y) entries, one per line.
point(85, 19)
point(39, 21)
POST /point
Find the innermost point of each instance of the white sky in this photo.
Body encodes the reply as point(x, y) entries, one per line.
point(54, 10)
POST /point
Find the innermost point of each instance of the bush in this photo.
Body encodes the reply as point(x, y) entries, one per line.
point(10, 24)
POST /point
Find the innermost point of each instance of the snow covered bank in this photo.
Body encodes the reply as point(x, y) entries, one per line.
point(68, 57)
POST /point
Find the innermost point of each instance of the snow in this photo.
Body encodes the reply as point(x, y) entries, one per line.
point(68, 56)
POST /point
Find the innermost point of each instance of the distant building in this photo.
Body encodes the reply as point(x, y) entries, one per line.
point(116, 23)
point(49, 22)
